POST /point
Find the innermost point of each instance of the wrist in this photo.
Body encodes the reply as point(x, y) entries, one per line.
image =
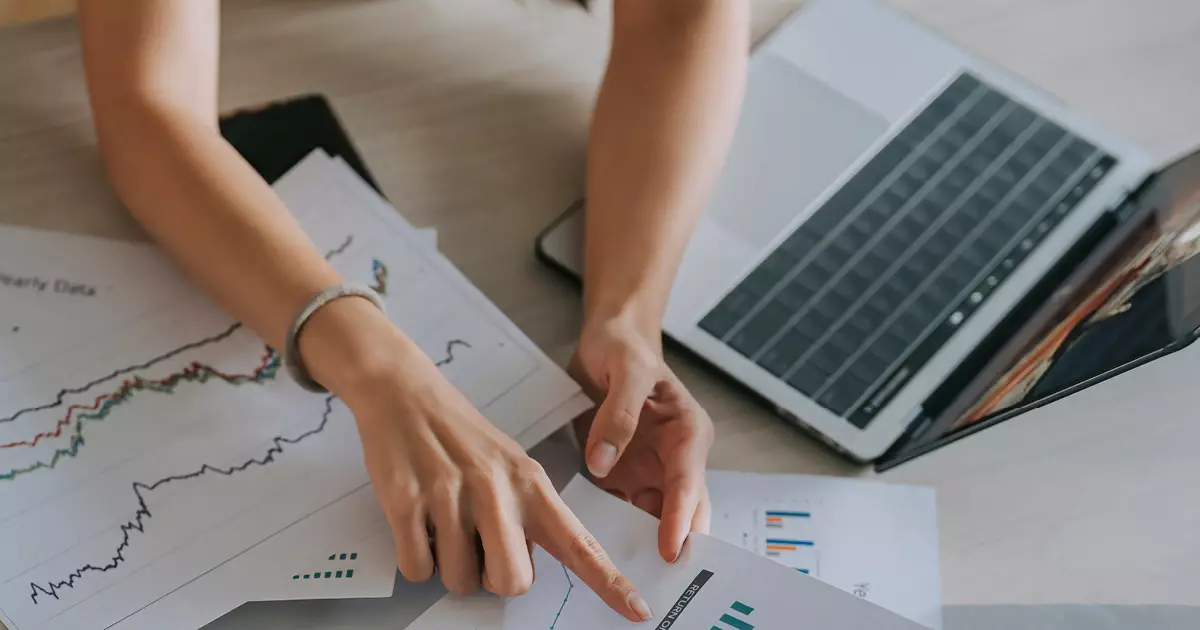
point(350, 347)
point(630, 319)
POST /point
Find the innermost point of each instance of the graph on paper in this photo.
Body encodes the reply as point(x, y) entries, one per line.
point(786, 532)
point(789, 537)
point(876, 541)
point(135, 460)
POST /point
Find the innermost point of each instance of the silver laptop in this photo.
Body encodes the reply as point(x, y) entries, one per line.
point(888, 201)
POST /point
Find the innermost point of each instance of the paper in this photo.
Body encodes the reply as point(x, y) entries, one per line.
point(116, 266)
point(475, 612)
point(559, 456)
point(181, 417)
point(51, 286)
point(713, 584)
point(213, 590)
point(878, 541)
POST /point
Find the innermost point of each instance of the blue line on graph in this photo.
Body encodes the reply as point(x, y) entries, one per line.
point(798, 543)
point(570, 587)
point(791, 514)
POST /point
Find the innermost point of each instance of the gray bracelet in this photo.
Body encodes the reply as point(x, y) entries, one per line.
point(291, 354)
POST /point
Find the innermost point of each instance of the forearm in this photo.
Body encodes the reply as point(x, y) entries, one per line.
point(662, 126)
point(229, 231)
point(204, 204)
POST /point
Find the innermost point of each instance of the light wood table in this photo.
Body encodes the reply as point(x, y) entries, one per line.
point(473, 116)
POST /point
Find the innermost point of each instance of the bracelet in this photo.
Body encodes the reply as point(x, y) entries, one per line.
point(291, 354)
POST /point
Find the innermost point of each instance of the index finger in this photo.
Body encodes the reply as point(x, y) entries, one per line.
point(559, 532)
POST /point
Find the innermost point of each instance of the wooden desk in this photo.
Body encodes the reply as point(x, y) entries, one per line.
point(21, 11)
point(473, 115)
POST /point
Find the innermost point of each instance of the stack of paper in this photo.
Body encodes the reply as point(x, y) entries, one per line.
point(712, 585)
point(876, 541)
point(156, 468)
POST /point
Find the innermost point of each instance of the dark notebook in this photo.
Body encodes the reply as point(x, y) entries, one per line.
point(275, 137)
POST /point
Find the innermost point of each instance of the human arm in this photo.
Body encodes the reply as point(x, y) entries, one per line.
point(433, 459)
point(663, 123)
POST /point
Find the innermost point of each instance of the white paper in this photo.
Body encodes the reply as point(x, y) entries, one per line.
point(264, 472)
point(878, 541)
point(713, 584)
point(561, 459)
point(214, 590)
point(111, 275)
point(56, 289)
point(475, 612)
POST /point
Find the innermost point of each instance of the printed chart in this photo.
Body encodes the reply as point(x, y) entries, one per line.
point(134, 462)
point(788, 536)
point(876, 541)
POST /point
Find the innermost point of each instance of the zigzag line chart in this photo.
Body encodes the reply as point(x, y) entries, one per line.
point(104, 404)
point(140, 489)
point(59, 399)
point(79, 415)
point(195, 372)
point(566, 596)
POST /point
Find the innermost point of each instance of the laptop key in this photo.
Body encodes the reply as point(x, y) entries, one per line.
point(841, 394)
point(760, 328)
point(727, 314)
point(807, 379)
point(785, 352)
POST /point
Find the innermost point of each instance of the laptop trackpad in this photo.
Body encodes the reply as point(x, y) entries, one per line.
point(795, 136)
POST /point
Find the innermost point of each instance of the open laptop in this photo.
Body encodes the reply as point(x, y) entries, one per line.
point(899, 224)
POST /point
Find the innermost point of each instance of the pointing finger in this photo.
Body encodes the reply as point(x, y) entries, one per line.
point(560, 533)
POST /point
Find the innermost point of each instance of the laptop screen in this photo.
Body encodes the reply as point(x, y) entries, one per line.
point(1138, 299)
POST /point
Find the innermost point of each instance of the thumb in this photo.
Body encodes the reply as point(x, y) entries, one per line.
point(617, 418)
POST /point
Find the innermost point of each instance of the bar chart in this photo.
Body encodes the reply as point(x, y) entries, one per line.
point(787, 535)
point(800, 555)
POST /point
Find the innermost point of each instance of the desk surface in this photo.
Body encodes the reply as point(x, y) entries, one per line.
point(473, 116)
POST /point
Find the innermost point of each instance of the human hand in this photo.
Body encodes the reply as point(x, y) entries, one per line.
point(648, 441)
point(453, 486)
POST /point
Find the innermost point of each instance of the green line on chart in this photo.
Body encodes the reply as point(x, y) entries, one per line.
point(570, 585)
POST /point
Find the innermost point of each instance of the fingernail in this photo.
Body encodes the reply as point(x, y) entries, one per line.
point(604, 457)
point(640, 607)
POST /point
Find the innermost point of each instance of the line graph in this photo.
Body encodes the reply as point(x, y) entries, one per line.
point(195, 372)
point(137, 523)
point(566, 597)
point(103, 405)
point(210, 473)
point(62, 395)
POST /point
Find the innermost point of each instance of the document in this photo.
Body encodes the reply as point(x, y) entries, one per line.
point(875, 540)
point(712, 585)
point(148, 455)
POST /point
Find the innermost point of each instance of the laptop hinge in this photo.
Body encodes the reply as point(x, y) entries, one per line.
point(1130, 202)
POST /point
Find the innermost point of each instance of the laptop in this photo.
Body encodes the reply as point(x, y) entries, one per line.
point(902, 229)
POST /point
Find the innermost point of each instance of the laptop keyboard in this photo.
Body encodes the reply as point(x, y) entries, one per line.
point(865, 292)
